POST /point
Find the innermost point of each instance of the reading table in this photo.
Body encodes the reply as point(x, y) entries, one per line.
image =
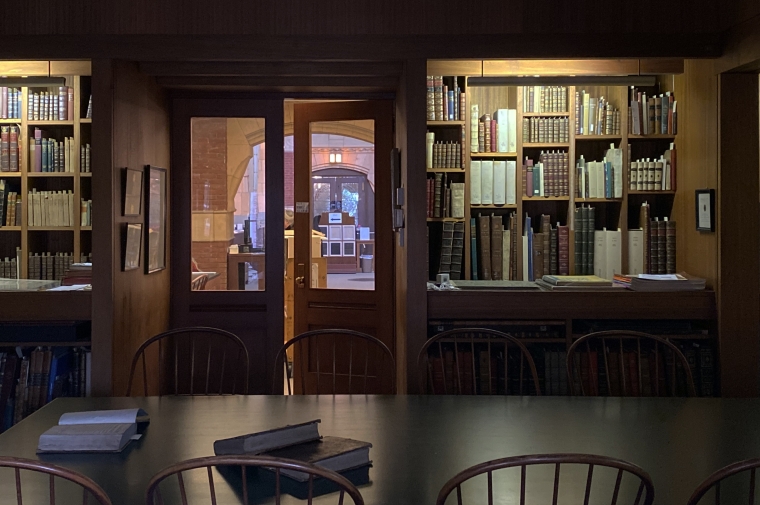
point(419, 442)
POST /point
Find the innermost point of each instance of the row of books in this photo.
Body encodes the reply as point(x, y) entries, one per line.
point(658, 244)
point(85, 213)
point(49, 266)
point(440, 154)
point(492, 182)
point(654, 175)
point(651, 374)
point(452, 249)
point(546, 129)
point(595, 116)
point(493, 134)
point(445, 99)
point(541, 99)
point(55, 105)
point(88, 114)
point(584, 239)
point(462, 371)
point(50, 208)
point(51, 155)
point(10, 103)
point(493, 248)
point(444, 198)
point(38, 376)
point(9, 151)
point(8, 268)
point(10, 206)
point(651, 115)
point(547, 177)
point(84, 158)
point(601, 179)
point(546, 252)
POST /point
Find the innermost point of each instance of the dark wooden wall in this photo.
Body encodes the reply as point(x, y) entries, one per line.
point(129, 307)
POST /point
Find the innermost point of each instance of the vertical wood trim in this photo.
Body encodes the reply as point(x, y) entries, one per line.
point(105, 258)
point(414, 294)
point(738, 225)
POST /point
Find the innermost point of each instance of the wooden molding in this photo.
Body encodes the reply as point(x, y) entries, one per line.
point(470, 68)
point(271, 68)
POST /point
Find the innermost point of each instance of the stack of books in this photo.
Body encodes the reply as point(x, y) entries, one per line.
point(77, 274)
point(301, 442)
point(660, 282)
point(576, 283)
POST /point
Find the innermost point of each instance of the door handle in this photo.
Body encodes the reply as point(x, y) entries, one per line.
point(300, 282)
point(301, 275)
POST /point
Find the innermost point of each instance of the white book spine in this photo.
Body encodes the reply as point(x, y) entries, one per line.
point(499, 182)
point(503, 129)
point(486, 182)
point(613, 248)
point(457, 199)
point(474, 118)
point(475, 177)
point(600, 254)
point(429, 141)
point(511, 130)
point(600, 182)
point(635, 252)
point(511, 182)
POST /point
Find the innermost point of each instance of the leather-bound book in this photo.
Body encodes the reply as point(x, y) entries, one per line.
point(484, 232)
point(645, 226)
point(654, 247)
point(473, 249)
point(553, 251)
point(497, 252)
point(447, 243)
point(437, 199)
point(578, 249)
point(563, 250)
point(591, 227)
point(457, 251)
point(538, 255)
point(661, 248)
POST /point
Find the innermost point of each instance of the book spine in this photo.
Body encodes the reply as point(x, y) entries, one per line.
point(473, 249)
point(484, 233)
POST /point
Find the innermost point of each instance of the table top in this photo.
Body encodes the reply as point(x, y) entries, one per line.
point(419, 442)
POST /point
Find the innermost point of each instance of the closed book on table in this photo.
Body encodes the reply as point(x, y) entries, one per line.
point(277, 438)
point(486, 182)
point(499, 182)
point(333, 453)
point(484, 233)
point(95, 431)
point(475, 182)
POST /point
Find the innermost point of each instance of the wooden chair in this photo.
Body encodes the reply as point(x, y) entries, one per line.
point(348, 368)
point(456, 362)
point(343, 485)
point(626, 359)
point(194, 361)
point(89, 487)
point(199, 283)
point(732, 470)
point(645, 486)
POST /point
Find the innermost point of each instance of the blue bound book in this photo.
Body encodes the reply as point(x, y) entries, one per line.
point(451, 105)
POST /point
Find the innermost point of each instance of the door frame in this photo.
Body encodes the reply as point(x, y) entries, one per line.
point(263, 307)
point(317, 307)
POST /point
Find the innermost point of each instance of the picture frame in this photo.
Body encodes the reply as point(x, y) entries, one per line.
point(132, 246)
point(155, 218)
point(133, 190)
point(704, 206)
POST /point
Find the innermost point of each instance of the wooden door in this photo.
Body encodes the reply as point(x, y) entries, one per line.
point(359, 294)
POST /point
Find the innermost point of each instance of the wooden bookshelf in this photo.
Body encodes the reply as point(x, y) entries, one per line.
point(445, 123)
point(493, 155)
point(52, 239)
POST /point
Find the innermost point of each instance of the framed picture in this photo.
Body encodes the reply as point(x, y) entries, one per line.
point(133, 187)
point(705, 209)
point(132, 246)
point(155, 219)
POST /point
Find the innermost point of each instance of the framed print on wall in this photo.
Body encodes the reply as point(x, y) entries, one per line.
point(705, 208)
point(155, 219)
point(133, 188)
point(132, 246)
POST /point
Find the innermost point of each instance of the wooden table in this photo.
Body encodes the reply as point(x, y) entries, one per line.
point(420, 442)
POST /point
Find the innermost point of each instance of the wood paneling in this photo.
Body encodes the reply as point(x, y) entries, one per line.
point(275, 83)
point(560, 67)
point(738, 222)
point(26, 306)
point(140, 137)
point(469, 68)
point(271, 68)
point(656, 66)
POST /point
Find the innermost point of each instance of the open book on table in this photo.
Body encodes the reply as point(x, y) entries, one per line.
point(94, 431)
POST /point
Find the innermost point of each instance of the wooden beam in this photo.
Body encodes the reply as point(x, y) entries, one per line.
point(657, 66)
point(559, 67)
point(71, 67)
point(738, 227)
point(271, 68)
point(278, 83)
point(469, 68)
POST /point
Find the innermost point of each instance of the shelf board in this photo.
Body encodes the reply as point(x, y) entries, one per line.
point(545, 198)
point(493, 155)
point(598, 137)
point(10, 121)
point(600, 200)
point(10, 228)
point(85, 174)
point(445, 123)
point(49, 123)
point(85, 228)
point(545, 114)
point(85, 120)
point(495, 206)
point(454, 170)
point(654, 136)
point(653, 193)
point(78, 343)
point(545, 144)
point(51, 228)
point(50, 174)
point(10, 174)
point(442, 219)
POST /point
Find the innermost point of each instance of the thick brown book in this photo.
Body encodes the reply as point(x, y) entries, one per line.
point(670, 247)
point(590, 227)
point(661, 248)
point(563, 245)
point(438, 200)
point(553, 251)
point(484, 233)
point(457, 251)
point(646, 225)
point(654, 238)
point(538, 255)
point(546, 253)
point(497, 248)
point(269, 440)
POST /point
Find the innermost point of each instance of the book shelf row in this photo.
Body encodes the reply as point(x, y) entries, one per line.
point(45, 177)
point(529, 174)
